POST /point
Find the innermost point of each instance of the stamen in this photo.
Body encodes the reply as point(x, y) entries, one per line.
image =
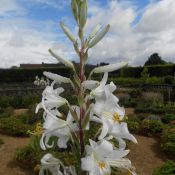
point(102, 165)
point(116, 117)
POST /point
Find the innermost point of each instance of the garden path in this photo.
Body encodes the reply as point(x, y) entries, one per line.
point(7, 151)
point(146, 155)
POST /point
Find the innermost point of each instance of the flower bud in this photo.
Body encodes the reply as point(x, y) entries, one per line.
point(68, 32)
point(94, 31)
point(99, 36)
point(56, 77)
point(62, 60)
point(74, 6)
point(108, 68)
point(83, 13)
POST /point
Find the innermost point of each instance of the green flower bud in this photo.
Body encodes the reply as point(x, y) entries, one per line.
point(62, 60)
point(83, 14)
point(99, 36)
point(68, 32)
point(74, 6)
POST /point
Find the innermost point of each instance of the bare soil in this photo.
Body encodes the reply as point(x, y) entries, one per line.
point(7, 151)
point(129, 111)
point(19, 111)
point(146, 155)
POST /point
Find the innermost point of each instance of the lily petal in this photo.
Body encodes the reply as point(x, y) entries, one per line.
point(105, 129)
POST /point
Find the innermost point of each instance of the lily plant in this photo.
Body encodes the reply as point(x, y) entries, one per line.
point(96, 103)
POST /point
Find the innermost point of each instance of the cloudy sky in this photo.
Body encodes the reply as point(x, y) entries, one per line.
point(138, 28)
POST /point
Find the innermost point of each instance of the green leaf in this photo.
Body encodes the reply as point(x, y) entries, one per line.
point(86, 118)
point(77, 80)
point(80, 101)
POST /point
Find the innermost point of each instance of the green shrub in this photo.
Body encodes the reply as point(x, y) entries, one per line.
point(133, 124)
point(7, 112)
point(167, 169)
point(30, 99)
point(19, 101)
point(168, 140)
point(4, 101)
point(151, 127)
point(167, 118)
point(134, 93)
point(155, 110)
point(169, 79)
point(13, 126)
point(150, 99)
point(16, 101)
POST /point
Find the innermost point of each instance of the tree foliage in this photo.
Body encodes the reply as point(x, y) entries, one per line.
point(154, 59)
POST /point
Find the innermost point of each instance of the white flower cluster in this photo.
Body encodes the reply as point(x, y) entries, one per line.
point(41, 82)
point(100, 155)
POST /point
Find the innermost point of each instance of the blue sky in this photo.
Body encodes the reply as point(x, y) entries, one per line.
point(42, 10)
point(138, 28)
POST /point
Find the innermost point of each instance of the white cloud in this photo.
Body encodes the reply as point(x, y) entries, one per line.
point(10, 7)
point(155, 32)
point(24, 44)
point(27, 41)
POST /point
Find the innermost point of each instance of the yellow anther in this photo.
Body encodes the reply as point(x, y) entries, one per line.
point(38, 130)
point(116, 117)
point(102, 165)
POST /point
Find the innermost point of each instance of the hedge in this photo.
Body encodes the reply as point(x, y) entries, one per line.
point(154, 70)
point(23, 75)
point(28, 75)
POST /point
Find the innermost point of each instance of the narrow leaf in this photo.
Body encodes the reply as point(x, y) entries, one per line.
point(86, 118)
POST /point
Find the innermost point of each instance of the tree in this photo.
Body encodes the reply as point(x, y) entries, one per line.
point(154, 59)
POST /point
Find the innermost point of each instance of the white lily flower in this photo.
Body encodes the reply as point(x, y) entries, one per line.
point(103, 90)
point(59, 128)
point(120, 132)
point(106, 103)
point(111, 114)
point(101, 156)
point(49, 162)
point(51, 101)
point(53, 127)
point(109, 68)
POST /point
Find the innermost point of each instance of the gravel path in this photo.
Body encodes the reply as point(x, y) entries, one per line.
point(146, 155)
point(7, 151)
